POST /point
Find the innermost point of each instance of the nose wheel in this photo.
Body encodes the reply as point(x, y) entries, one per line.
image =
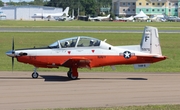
point(35, 74)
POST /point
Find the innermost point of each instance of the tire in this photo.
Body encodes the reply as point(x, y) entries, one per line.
point(69, 74)
point(35, 75)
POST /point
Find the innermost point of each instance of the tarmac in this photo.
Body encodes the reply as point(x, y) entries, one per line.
point(93, 89)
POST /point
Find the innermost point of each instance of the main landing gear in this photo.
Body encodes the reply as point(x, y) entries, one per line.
point(72, 73)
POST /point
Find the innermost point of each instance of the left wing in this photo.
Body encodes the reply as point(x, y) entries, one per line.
point(79, 62)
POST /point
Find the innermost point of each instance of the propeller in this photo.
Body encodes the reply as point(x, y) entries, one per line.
point(12, 53)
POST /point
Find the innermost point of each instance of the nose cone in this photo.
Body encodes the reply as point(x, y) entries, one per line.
point(10, 53)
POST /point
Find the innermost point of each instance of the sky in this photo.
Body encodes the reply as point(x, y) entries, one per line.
point(16, 0)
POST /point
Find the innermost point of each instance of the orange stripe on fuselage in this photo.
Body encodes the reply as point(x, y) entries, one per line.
point(96, 61)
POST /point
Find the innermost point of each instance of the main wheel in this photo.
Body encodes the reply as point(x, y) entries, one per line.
point(35, 75)
point(70, 75)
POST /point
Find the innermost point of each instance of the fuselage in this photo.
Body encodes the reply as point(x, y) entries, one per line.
point(47, 15)
point(53, 58)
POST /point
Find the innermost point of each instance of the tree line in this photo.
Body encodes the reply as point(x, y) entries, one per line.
point(80, 7)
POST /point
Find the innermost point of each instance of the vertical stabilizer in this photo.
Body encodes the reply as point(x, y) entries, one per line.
point(150, 41)
point(66, 11)
point(108, 16)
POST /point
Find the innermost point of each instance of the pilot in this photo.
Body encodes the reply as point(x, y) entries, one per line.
point(73, 44)
point(66, 44)
point(91, 43)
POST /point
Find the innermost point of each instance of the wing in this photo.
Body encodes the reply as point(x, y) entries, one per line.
point(79, 62)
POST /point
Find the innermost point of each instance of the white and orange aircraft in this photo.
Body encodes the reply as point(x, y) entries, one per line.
point(87, 52)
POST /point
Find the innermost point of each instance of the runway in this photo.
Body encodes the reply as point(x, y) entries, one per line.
point(54, 90)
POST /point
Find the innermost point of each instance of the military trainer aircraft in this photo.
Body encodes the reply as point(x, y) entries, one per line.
point(87, 52)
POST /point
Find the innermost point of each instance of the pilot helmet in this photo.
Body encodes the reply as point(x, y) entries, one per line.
point(91, 41)
point(67, 43)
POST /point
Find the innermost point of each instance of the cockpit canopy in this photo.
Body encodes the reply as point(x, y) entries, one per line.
point(80, 41)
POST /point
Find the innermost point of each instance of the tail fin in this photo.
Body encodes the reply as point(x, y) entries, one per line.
point(150, 41)
point(66, 11)
point(108, 15)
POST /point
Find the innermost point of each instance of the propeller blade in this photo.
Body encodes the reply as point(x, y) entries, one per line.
point(12, 63)
point(13, 52)
point(13, 44)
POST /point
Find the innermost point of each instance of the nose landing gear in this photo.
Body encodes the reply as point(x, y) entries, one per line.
point(35, 74)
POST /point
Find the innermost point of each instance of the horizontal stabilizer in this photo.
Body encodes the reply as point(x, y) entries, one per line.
point(113, 67)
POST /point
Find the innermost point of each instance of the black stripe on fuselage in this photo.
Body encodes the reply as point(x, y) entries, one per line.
point(39, 48)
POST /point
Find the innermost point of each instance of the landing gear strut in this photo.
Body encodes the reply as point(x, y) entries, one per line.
point(72, 73)
point(35, 74)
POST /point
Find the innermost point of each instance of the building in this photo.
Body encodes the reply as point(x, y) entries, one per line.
point(178, 8)
point(149, 7)
point(105, 10)
point(124, 7)
point(172, 7)
point(26, 12)
point(2, 16)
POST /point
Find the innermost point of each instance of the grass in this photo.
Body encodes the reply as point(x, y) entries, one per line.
point(147, 107)
point(169, 43)
point(82, 25)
